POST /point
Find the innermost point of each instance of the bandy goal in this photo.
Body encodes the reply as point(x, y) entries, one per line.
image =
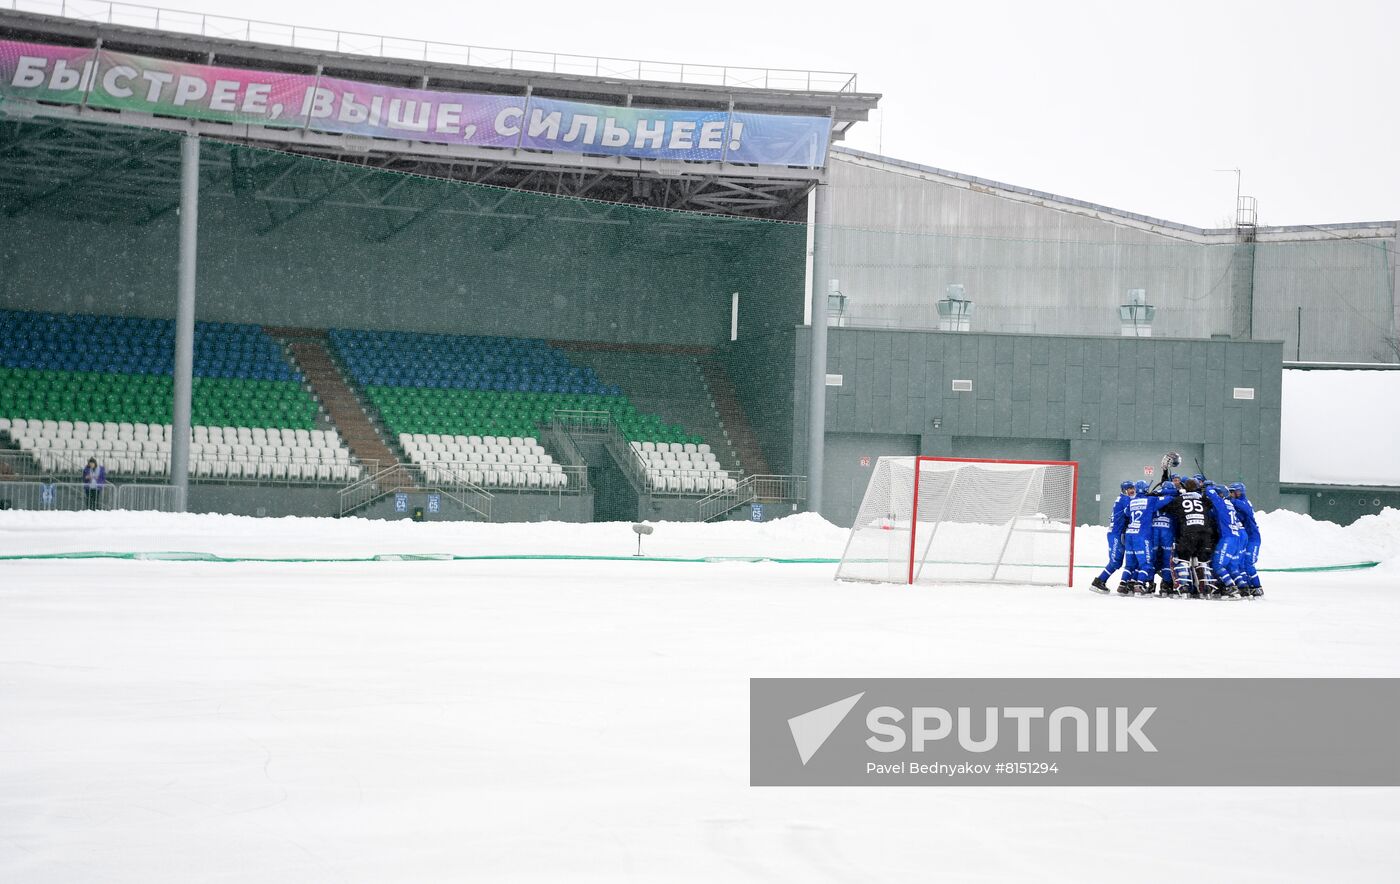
point(963, 520)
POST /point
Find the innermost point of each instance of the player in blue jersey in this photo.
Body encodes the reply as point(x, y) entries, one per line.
point(1137, 535)
point(1164, 543)
point(1248, 561)
point(1224, 564)
point(1126, 491)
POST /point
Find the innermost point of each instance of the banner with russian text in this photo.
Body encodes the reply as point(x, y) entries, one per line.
point(121, 81)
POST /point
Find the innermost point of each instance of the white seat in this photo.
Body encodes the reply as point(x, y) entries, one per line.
point(244, 434)
point(338, 472)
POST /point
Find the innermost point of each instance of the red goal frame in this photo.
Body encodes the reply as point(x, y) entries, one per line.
point(1073, 501)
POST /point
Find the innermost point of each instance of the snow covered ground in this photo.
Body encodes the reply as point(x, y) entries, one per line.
point(566, 720)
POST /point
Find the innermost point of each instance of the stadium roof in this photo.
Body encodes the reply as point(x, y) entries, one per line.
point(723, 187)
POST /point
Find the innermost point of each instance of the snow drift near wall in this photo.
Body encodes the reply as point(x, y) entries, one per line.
point(1291, 540)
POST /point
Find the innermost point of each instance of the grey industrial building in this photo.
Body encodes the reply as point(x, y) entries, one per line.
point(1056, 368)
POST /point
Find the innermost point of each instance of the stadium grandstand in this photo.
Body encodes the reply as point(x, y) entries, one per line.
point(447, 279)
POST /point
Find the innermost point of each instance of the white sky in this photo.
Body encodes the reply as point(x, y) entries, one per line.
point(1110, 102)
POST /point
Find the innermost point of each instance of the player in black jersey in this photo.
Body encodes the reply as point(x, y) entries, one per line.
point(1195, 539)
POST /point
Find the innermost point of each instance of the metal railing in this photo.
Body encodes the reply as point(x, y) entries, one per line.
point(260, 470)
point(576, 476)
point(600, 426)
point(451, 483)
point(74, 497)
point(752, 489)
point(224, 27)
point(142, 496)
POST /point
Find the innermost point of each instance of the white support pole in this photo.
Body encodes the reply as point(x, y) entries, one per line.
point(184, 321)
point(816, 397)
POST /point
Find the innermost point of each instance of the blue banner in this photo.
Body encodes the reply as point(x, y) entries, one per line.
point(655, 133)
point(123, 82)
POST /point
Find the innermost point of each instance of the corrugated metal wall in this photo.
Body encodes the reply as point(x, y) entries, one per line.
point(902, 235)
point(1344, 290)
point(1080, 392)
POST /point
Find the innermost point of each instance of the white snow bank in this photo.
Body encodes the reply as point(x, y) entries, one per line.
point(1291, 540)
point(22, 532)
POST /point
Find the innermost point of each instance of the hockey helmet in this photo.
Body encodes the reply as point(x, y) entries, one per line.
point(1238, 487)
point(1126, 486)
point(1141, 486)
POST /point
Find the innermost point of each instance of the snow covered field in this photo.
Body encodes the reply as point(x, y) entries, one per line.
point(568, 720)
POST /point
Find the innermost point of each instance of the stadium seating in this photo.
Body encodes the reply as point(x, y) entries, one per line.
point(682, 468)
point(481, 401)
point(131, 345)
point(142, 450)
point(77, 386)
point(492, 461)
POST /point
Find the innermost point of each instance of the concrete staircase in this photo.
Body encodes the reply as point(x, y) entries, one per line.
point(346, 411)
point(670, 385)
point(727, 406)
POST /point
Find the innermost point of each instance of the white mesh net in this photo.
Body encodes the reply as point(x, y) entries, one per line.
point(977, 521)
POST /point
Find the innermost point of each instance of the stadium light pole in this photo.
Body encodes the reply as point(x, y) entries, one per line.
point(184, 321)
point(816, 398)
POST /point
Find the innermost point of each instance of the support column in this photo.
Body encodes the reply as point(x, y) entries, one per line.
point(184, 320)
point(816, 404)
point(1242, 287)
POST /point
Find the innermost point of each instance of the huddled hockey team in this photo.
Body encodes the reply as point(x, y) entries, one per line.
point(1187, 538)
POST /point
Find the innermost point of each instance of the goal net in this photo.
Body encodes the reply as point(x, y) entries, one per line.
point(956, 520)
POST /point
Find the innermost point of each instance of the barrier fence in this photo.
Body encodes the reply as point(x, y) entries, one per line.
point(75, 497)
point(246, 470)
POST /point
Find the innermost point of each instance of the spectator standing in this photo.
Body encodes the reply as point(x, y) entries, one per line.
point(94, 481)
